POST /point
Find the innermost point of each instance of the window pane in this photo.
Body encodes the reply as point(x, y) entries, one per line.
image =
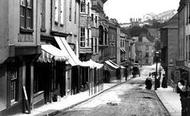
point(29, 18)
point(22, 16)
point(29, 23)
point(22, 22)
point(12, 75)
point(22, 11)
point(26, 14)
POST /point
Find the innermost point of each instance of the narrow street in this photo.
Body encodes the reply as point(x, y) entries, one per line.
point(128, 99)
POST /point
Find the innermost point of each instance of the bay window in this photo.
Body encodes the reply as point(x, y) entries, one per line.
point(82, 38)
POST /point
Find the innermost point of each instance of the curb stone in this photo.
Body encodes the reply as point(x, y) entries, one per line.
point(162, 103)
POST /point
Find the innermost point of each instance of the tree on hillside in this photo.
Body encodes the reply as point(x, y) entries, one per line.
point(137, 30)
point(154, 24)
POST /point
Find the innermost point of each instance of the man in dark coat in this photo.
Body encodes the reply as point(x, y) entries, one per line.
point(181, 89)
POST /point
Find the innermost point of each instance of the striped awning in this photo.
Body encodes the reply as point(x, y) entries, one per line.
point(50, 53)
point(112, 64)
point(73, 60)
point(122, 50)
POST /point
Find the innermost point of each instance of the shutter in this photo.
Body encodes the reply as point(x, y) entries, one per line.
point(61, 12)
point(56, 11)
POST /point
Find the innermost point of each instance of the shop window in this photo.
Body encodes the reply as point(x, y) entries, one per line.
point(12, 75)
point(26, 15)
point(38, 74)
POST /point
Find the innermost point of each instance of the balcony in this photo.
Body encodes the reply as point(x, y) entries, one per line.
point(103, 46)
point(84, 50)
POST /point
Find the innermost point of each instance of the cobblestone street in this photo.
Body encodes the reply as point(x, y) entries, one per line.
point(128, 99)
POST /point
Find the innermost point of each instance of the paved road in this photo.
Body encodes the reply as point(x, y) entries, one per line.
point(128, 99)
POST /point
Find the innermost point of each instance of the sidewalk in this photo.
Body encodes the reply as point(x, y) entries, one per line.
point(69, 101)
point(170, 99)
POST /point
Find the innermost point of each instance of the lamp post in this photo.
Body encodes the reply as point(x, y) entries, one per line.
point(156, 59)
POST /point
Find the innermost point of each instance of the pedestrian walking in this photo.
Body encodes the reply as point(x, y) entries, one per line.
point(181, 89)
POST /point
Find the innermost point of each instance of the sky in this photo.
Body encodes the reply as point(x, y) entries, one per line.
point(123, 10)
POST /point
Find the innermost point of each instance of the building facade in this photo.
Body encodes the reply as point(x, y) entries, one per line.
point(123, 46)
point(144, 50)
point(20, 44)
point(169, 42)
point(86, 20)
point(183, 40)
point(97, 8)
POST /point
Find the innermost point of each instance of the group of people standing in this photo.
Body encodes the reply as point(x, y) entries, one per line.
point(182, 89)
point(148, 81)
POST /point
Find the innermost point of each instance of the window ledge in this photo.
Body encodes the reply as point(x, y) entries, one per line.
point(27, 31)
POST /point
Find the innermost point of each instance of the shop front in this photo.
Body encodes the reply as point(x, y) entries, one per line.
point(49, 75)
point(96, 76)
point(77, 73)
point(112, 71)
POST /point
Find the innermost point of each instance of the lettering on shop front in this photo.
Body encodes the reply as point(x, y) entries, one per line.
point(25, 38)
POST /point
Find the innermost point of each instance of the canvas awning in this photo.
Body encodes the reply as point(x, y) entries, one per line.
point(73, 60)
point(112, 64)
point(50, 53)
point(122, 50)
point(93, 64)
point(122, 66)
